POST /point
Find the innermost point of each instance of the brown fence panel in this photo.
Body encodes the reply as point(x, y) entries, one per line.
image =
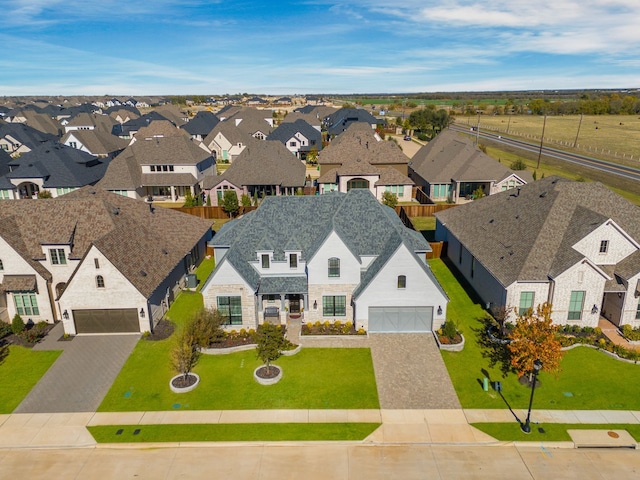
point(436, 250)
point(212, 213)
point(422, 197)
point(425, 210)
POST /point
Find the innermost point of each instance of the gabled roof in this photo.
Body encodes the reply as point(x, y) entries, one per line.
point(286, 131)
point(125, 171)
point(133, 236)
point(310, 118)
point(229, 131)
point(59, 166)
point(159, 128)
point(527, 235)
point(133, 125)
point(251, 120)
point(359, 142)
point(102, 122)
point(311, 220)
point(452, 156)
point(340, 120)
point(98, 142)
point(201, 124)
point(26, 135)
point(265, 162)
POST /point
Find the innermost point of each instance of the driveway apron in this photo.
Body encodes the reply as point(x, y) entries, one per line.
point(410, 372)
point(81, 376)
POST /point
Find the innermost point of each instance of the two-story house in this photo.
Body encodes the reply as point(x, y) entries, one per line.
point(331, 257)
point(573, 244)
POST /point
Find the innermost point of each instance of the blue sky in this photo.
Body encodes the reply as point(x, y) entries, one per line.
point(162, 47)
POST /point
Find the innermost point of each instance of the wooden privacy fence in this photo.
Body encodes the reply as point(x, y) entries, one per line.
point(212, 213)
point(424, 210)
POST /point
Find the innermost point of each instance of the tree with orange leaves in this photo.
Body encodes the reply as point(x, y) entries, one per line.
point(535, 337)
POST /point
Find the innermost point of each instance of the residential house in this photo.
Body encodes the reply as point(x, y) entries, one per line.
point(35, 118)
point(95, 142)
point(450, 168)
point(96, 261)
point(131, 127)
point(53, 167)
point(575, 245)
point(331, 257)
point(358, 158)
point(90, 121)
point(264, 168)
point(159, 168)
point(341, 119)
point(18, 138)
point(201, 125)
point(299, 137)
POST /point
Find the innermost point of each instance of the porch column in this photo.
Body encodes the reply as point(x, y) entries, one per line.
point(282, 310)
point(305, 301)
point(173, 193)
point(277, 190)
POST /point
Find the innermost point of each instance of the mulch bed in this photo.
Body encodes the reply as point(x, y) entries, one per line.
point(13, 339)
point(163, 330)
point(234, 341)
point(449, 341)
point(272, 373)
point(330, 329)
point(184, 382)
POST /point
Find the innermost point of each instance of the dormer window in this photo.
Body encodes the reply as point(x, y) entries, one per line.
point(1, 265)
point(402, 281)
point(334, 267)
point(57, 256)
point(265, 261)
point(293, 260)
point(604, 246)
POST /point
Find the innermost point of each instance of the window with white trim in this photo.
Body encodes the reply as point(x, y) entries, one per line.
point(334, 306)
point(576, 305)
point(265, 261)
point(526, 302)
point(604, 246)
point(57, 256)
point(402, 281)
point(334, 267)
point(26, 303)
point(99, 281)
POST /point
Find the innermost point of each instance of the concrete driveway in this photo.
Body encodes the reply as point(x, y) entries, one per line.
point(82, 374)
point(410, 372)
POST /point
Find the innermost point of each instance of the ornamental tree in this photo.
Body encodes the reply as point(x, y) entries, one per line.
point(535, 337)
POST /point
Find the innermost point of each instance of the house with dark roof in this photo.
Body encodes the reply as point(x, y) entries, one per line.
point(341, 119)
point(98, 262)
point(131, 127)
point(575, 245)
point(53, 167)
point(95, 142)
point(450, 168)
point(359, 158)
point(264, 168)
point(201, 125)
point(18, 138)
point(330, 257)
point(160, 168)
point(299, 137)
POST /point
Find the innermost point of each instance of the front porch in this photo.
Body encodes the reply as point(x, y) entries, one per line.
point(278, 308)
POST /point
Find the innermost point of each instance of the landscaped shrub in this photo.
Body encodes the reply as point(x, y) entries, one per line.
point(449, 329)
point(17, 324)
point(5, 329)
point(328, 328)
point(631, 333)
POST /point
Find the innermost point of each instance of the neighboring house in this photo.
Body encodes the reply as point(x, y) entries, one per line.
point(130, 128)
point(123, 114)
point(299, 137)
point(99, 262)
point(18, 138)
point(173, 114)
point(358, 158)
point(450, 168)
point(332, 257)
point(256, 101)
point(341, 119)
point(57, 168)
point(201, 125)
point(36, 118)
point(311, 118)
point(95, 142)
point(227, 141)
point(573, 244)
point(86, 121)
point(264, 168)
point(160, 168)
point(257, 123)
point(159, 128)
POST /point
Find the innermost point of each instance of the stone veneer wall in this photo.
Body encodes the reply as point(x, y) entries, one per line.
point(247, 299)
point(316, 292)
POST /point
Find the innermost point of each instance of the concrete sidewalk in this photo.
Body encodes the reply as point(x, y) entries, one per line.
point(445, 427)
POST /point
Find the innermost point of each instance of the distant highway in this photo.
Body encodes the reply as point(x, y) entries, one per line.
point(608, 167)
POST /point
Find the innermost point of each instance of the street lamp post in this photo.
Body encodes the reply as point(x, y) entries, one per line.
point(537, 366)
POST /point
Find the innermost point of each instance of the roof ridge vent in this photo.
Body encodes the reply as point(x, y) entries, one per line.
point(143, 273)
point(543, 194)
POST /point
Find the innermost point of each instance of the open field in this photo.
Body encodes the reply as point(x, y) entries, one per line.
point(618, 135)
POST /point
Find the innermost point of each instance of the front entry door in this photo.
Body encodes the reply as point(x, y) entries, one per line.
point(294, 303)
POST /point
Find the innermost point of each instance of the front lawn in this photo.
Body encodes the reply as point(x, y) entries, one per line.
point(19, 372)
point(589, 379)
point(204, 270)
point(551, 432)
point(263, 432)
point(314, 378)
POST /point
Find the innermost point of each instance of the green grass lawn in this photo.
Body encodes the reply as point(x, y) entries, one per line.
point(267, 432)
point(19, 372)
point(589, 379)
point(314, 378)
point(426, 226)
point(552, 432)
point(204, 270)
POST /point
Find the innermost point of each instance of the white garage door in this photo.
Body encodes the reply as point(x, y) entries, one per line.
point(400, 319)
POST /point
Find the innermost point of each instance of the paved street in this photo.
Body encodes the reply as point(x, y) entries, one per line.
point(333, 461)
point(82, 374)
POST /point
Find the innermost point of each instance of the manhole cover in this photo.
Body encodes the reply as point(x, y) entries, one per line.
point(613, 434)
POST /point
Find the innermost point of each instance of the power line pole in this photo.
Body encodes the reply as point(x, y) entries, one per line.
point(575, 142)
point(478, 129)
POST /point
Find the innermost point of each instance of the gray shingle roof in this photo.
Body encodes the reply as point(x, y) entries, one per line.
point(26, 135)
point(59, 166)
point(98, 142)
point(201, 124)
point(286, 131)
point(310, 220)
point(265, 163)
point(452, 156)
point(527, 236)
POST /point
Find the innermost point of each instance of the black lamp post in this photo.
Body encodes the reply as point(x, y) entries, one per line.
point(537, 366)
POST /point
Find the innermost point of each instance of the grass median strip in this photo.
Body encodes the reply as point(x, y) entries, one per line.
point(244, 432)
point(551, 432)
